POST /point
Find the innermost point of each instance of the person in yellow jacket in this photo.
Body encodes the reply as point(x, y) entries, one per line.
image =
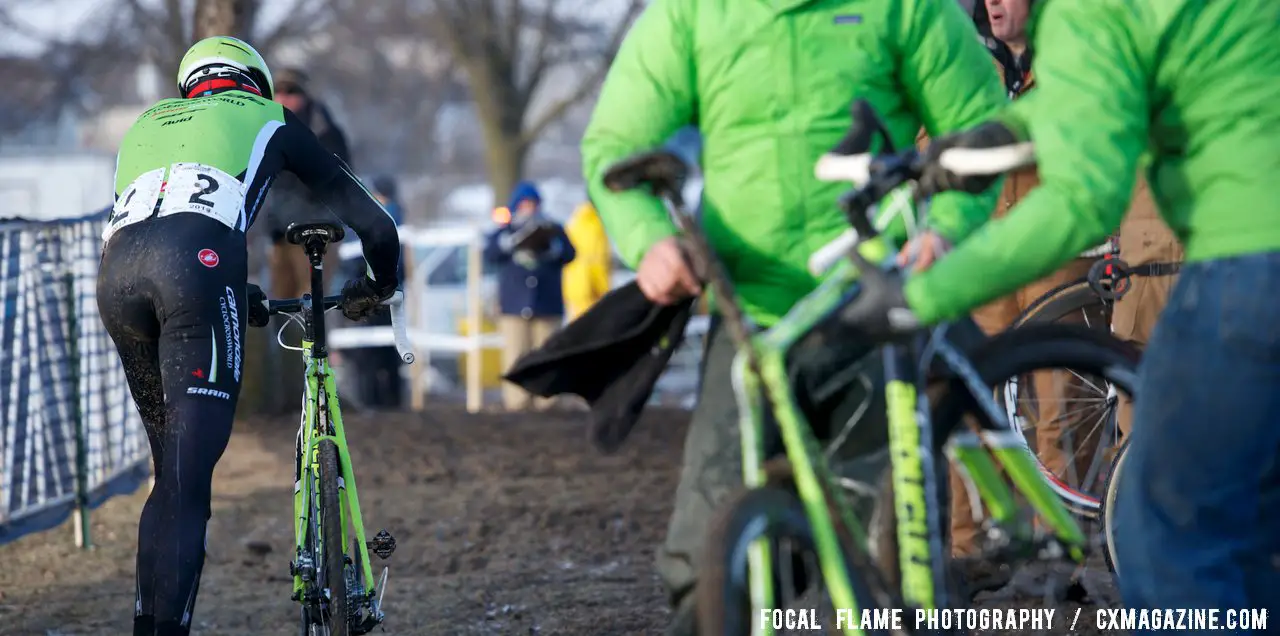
point(586, 279)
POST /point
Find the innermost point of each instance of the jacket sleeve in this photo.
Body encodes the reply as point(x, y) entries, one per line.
point(332, 181)
point(562, 251)
point(953, 85)
point(647, 96)
point(1087, 64)
point(496, 249)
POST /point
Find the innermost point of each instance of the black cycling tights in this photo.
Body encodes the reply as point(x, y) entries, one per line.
point(171, 292)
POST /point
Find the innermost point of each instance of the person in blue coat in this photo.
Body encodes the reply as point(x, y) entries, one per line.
point(529, 252)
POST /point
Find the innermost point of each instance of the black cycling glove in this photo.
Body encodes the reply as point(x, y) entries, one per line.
point(937, 179)
point(259, 313)
point(362, 296)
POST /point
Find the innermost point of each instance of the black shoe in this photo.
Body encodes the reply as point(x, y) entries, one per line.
point(171, 628)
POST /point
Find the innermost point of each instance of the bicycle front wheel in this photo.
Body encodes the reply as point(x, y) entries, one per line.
point(1084, 358)
point(774, 513)
point(1069, 420)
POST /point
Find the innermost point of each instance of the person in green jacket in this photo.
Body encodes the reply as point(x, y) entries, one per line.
point(1191, 88)
point(769, 86)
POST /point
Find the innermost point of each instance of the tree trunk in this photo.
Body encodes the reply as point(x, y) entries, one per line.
point(501, 112)
point(224, 17)
point(504, 156)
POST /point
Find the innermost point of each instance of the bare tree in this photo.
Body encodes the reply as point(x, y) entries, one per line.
point(224, 17)
point(510, 48)
point(389, 83)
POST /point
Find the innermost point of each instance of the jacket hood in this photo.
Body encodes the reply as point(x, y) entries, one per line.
point(523, 190)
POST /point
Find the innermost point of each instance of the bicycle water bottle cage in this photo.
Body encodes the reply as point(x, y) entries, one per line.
point(1109, 278)
point(662, 171)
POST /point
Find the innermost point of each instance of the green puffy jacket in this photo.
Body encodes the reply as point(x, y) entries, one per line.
point(769, 85)
point(1191, 85)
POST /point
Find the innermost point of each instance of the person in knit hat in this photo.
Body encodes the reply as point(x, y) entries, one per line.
point(530, 252)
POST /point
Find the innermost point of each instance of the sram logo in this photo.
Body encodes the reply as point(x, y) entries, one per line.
point(199, 390)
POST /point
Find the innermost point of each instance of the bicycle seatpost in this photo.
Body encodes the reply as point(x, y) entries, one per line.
point(315, 248)
point(706, 264)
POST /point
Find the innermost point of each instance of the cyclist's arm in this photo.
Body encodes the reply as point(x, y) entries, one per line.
point(330, 178)
point(647, 96)
point(1086, 63)
point(953, 85)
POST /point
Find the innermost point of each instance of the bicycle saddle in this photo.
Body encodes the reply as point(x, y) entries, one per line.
point(300, 233)
point(663, 171)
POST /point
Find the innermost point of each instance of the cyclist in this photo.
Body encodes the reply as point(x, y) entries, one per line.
point(1191, 84)
point(769, 87)
point(172, 288)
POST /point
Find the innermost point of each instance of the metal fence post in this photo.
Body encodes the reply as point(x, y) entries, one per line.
point(83, 539)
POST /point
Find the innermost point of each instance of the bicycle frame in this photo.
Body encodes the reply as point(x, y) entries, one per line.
point(321, 420)
point(911, 450)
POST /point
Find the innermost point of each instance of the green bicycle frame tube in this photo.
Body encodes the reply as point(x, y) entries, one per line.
point(319, 377)
point(915, 482)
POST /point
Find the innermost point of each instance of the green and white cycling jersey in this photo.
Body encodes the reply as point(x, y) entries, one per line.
point(216, 156)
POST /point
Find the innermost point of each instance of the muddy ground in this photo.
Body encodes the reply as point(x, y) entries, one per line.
point(506, 524)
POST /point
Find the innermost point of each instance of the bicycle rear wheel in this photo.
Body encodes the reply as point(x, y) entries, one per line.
point(332, 569)
point(1073, 428)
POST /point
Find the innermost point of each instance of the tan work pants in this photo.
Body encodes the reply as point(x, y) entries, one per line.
point(519, 336)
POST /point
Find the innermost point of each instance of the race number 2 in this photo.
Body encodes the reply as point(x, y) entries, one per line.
point(136, 203)
point(206, 190)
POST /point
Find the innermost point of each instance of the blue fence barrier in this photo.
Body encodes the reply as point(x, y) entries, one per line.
point(70, 436)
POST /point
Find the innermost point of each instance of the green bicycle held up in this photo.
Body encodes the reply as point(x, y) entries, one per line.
point(336, 588)
point(792, 494)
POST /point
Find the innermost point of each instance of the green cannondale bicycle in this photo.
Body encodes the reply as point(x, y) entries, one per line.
point(794, 505)
point(336, 588)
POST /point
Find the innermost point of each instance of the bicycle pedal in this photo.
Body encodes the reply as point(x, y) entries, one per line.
point(382, 544)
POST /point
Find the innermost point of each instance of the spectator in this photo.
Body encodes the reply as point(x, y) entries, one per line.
point(289, 201)
point(1002, 24)
point(384, 189)
point(1144, 239)
point(530, 252)
point(586, 279)
point(376, 370)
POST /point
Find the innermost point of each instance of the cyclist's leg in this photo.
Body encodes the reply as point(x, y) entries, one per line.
point(130, 321)
point(711, 469)
point(1198, 527)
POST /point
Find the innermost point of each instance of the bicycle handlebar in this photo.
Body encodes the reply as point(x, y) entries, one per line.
point(395, 303)
point(962, 162)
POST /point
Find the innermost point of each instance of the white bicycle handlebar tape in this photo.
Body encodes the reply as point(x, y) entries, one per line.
point(403, 346)
point(966, 162)
point(855, 168)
